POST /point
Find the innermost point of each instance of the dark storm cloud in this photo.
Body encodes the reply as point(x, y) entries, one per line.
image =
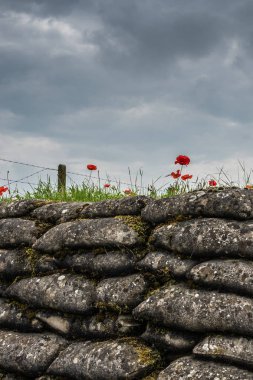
point(128, 77)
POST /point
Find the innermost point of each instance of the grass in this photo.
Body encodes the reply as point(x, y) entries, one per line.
point(88, 191)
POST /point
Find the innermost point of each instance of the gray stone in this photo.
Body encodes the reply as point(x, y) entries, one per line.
point(206, 237)
point(23, 262)
point(234, 275)
point(121, 293)
point(120, 359)
point(11, 376)
point(198, 310)
point(106, 232)
point(58, 212)
point(108, 263)
point(64, 292)
point(187, 368)
point(99, 326)
point(112, 207)
point(236, 350)
point(15, 316)
point(166, 263)
point(227, 203)
point(20, 208)
point(16, 232)
point(169, 340)
point(28, 354)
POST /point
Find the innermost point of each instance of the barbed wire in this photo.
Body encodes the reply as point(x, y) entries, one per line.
point(118, 182)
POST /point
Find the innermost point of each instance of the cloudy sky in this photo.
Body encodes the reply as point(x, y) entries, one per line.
point(126, 83)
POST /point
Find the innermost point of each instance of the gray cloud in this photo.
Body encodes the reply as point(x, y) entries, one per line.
point(128, 82)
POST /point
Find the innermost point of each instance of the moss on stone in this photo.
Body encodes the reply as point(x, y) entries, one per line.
point(146, 355)
point(112, 306)
point(136, 223)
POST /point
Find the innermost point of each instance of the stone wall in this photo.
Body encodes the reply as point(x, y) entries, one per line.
point(128, 289)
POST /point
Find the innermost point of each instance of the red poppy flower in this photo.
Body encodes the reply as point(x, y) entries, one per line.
point(182, 160)
point(175, 175)
point(212, 183)
point(249, 187)
point(186, 176)
point(127, 191)
point(107, 185)
point(2, 190)
point(91, 167)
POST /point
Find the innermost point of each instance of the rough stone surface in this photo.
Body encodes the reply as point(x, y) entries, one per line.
point(112, 207)
point(121, 292)
point(227, 203)
point(106, 232)
point(19, 208)
point(187, 368)
point(126, 359)
point(162, 263)
point(15, 316)
point(236, 350)
point(64, 292)
point(207, 237)
point(28, 354)
point(18, 232)
point(234, 275)
point(198, 310)
point(107, 263)
point(169, 340)
point(23, 262)
point(59, 212)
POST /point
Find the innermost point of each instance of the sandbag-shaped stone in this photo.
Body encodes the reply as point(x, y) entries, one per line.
point(236, 350)
point(20, 208)
point(28, 354)
point(234, 275)
point(23, 262)
point(198, 310)
point(112, 207)
point(58, 212)
point(193, 369)
point(207, 237)
point(169, 340)
point(106, 232)
point(121, 293)
point(15, 316)
point(16, 232)
point(64, 292)
point(122, 359)
point(226, 203)
point(165, 263)
point(108, 263)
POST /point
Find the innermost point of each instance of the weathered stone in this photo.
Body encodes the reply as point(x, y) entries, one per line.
point(166, 263)
point(234, 275)
point(16, 232)
point(59, 212)
point(28, 354)
point(106, 232)
point(169, 340)
point(108, 263)
point(193, 369)
point(236, 350)
point(198, 310)
point(64, 292)
point(121, 293)
point(112, 207)
point(11, 376)
point(3, 286)
point(227, 203)
point(15, 316)
point(207, 237)
point(20, 208)
point(23, 262)
point(122, 359)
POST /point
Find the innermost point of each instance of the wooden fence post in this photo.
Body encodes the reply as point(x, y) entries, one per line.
point(61, 178)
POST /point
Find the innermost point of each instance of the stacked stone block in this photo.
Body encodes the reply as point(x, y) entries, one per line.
point(128, 289)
